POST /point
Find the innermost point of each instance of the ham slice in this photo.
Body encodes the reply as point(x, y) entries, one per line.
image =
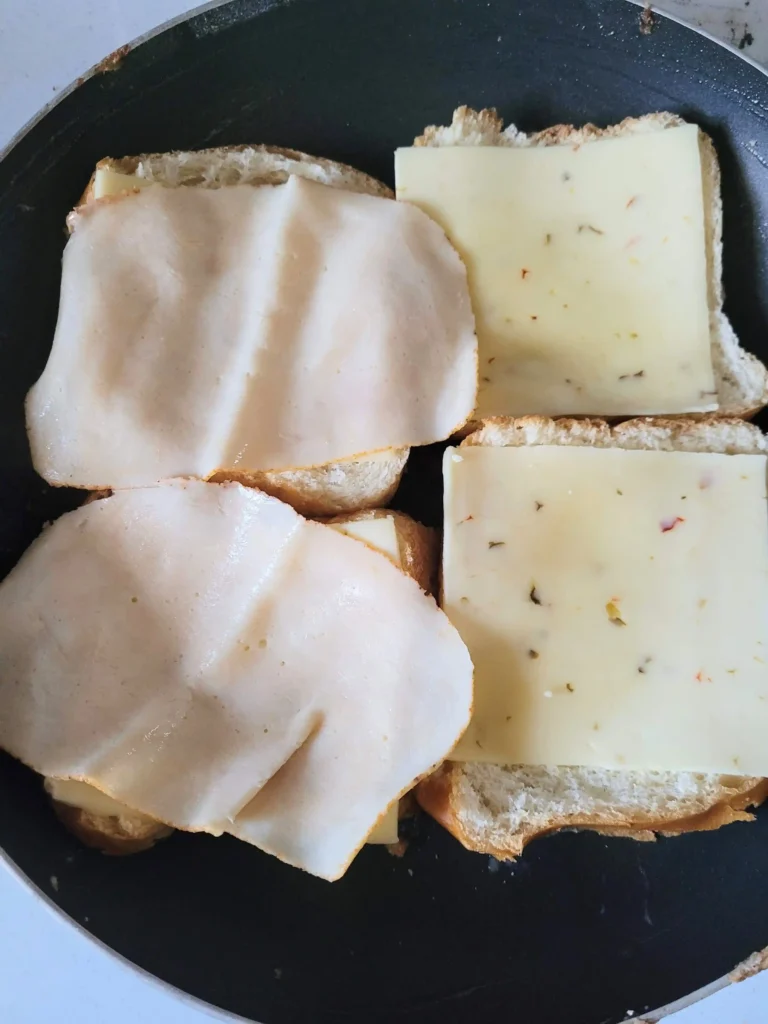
point(203, 654)
point(251, 328)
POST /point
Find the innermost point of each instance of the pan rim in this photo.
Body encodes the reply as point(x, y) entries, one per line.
point(266, 5)
point(7, 863)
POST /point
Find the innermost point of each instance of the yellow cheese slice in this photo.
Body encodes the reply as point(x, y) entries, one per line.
point(107, 182)
point(251, 328)
point(89, 799)
point(204, 655)
point(587, 268)
point(378, 533)
point(615, 604)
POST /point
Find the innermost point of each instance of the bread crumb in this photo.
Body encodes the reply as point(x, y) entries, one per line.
point(54, 883)
point(647, 20)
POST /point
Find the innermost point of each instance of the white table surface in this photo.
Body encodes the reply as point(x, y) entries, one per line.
point(50, 971)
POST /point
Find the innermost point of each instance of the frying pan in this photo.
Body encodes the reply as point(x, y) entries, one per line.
point(581, 928)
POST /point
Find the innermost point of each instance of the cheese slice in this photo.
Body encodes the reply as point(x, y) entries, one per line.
point(615, 604)
point(204, 655)
point(385, 832)
point(108, 182)
point(587, 267)
point(252, 328)
point(89, 799)
point(379, 533)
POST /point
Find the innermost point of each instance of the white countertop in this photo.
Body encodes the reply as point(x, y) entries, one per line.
point(50, 971)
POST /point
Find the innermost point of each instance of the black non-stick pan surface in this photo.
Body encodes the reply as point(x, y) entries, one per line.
point(581, 929)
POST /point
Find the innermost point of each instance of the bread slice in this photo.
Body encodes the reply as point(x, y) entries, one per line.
point(127, 831)
point(122, 832)
point(499, 809)
point(740, 378)
point(337, 488)
point(348, 485)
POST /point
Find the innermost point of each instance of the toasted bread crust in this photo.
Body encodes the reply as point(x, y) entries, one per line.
point(157, 164)
point(437, 796)
point(116, 835)
point(711, 433)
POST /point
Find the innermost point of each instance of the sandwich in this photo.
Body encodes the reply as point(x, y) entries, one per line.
point(252, 314)
point(102, 822)
point(595, 264)
point(207, 657)
point(248, 336)
point(611, 586)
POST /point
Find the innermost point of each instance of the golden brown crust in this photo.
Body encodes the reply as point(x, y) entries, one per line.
point(117, 835)
point(485, 127)
point(667, 432)
point(435, 796)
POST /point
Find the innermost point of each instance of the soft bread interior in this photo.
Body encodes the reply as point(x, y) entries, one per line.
point(238, 165)
point(498, 809)
point(741, 379)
